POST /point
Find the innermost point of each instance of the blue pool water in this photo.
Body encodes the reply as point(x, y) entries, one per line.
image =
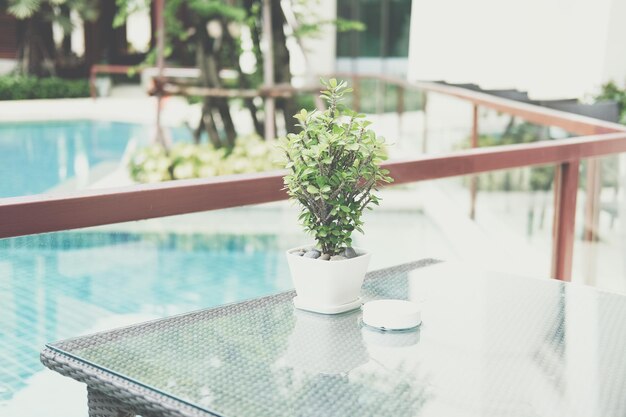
point(37, 156)
point(58, 285)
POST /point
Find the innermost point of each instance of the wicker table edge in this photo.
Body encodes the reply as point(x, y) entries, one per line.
point(138, 398)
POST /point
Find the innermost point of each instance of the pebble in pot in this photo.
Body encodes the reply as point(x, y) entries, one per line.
point(313, 253)
point(337, 258)
point(325, 257)
point(298, 252)
point(349, 253)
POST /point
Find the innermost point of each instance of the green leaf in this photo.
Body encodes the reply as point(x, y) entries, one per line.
point(308, 171)
point(312, 189)
point(24, 8)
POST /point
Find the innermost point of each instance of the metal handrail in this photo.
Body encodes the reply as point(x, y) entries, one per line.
point(573, 123)
point(144, 201)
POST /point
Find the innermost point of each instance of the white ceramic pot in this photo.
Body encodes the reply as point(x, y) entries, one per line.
point(328, 287)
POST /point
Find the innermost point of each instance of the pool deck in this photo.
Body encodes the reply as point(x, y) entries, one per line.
point(119, 109)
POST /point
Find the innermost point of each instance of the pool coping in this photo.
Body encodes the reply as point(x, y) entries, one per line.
point(176, 111)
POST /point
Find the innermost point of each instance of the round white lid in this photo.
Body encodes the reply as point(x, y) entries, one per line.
point(392, 314)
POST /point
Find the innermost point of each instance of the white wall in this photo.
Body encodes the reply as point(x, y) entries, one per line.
point(320, 50)
point(552, 48)
point(391, 66)
point(6, 66)
point(615, 54)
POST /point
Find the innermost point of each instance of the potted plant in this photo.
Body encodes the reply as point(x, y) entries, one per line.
point(334, 170)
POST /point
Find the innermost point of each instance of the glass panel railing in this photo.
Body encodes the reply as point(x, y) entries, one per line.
point(601, 224)
point(446, 124)
point(496, 128)
point(512, 210)
point(438, 123)
point(428, 123)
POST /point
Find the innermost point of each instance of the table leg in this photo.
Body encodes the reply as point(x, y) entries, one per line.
point(102, 405)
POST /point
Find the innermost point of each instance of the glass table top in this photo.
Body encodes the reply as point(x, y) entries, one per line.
point(489, 345)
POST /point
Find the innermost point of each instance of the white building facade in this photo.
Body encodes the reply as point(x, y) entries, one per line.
point(550, 48)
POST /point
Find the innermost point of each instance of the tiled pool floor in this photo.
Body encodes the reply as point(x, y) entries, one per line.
point(60, 285)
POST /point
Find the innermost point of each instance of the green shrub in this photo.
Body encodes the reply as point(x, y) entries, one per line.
point(13, 87)
point(610, 91)
point(305, 101)
point(334, 169)
point(187, 160)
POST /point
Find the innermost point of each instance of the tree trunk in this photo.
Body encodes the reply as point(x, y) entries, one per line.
point(207, 61)
point(227, 121)
point(66, 45)
point(282, 72)
point(209, 123)
point(103, 43)
point(229, 43)
point(221, 104)
point(36, 50)
point(197, 132)
point(255, 31)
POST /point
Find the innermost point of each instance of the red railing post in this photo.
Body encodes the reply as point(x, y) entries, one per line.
point(566, 189)
point(474, 178)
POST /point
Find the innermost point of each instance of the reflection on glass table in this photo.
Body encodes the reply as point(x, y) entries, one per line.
point(489, 345)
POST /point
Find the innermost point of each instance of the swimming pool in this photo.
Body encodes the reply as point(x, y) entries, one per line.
point(36, 157)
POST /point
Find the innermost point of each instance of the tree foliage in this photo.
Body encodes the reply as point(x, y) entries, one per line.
point(209, 34)
point(37, 52)
point(334, 165)
point(611, 91)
